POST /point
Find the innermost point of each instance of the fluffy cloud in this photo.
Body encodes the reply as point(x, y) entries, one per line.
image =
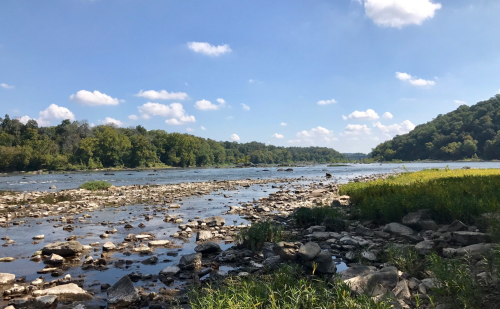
point(394, 129)
point(51, 113)
point(6, 86)
point(245, 107)
point(387, 115)
point(23, 119)
point(344, 117)
point(208, 49)
point(174, 111)
point(370, 114)
point(400, 13)
point(205, 105)
point(283, 124)
point(414, 81)
point(315, 136)
point(111, 121)
point(221, 101)
point(326, 102)
point(277, 135)
point(133, 117)
point(460, 102)
point(95, 98)
point(235, 137)
point(356, 129)
point(203, 128)
point(162, 95)
point(189, 130)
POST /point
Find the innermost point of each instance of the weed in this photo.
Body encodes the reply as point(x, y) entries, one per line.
point(306, 217)
point(255, 236)
point(406, 259)
point(95, 185)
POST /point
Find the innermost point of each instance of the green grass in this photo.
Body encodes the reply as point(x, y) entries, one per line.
point(95, 185)
point(306, 217)
point(449, 194)
point(287, 288)
point(255, 236)
point(406, 259)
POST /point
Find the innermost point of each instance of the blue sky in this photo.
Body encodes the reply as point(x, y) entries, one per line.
point(346, 74)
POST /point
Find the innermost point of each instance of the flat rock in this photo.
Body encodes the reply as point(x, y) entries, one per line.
point(357, 270)
point(413, 219)
point(309, 251)
point(68, 291)
point(122, 293)
point(398, 229)
point(158, 243)
point(6, 278)
point(476, 251)
point(376, 283)
point(208, 248)
point(65, 248)
point(424, 247)
point(456, 226)
point(45, 302)
point(213, 221)
point(470, 238)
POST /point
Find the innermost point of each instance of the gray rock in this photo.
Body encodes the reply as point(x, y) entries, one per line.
point(413, 219)
point(45, 302)
point(204, 235)
point(430, 283)
point(476, 251)
point(469, 238)
point(316, 228)
point(424, 247)
point(68, 291)
point(428, 225)
point(170, 271)
point(213, 221)
point(65, 248)
point(272, 261)
point(190, 261)
point(347, 240)
point(54, 259)
point(150, 260)
point(285, 250)
point(369, 255)
point(398, 229)
point(324, 263)
point(357, 270)
point(361, 230)
point(456, 226)
point(7, 278)
point(319, 236)
point(401, 290)
point(208, 248)
point(375, 283)
point(309, 251)
point(267, 250)
point(122, 293)
point(109, 246)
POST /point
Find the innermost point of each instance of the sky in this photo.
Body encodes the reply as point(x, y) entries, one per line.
point(345, 74)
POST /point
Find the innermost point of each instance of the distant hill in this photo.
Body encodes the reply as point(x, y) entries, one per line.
point(467, 132)
point(356, 156)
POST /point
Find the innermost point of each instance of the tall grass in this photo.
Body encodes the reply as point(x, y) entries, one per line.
point(287, 288)
point(449, 194)
point(306, 217)
point(406, 259)
point(95, 185)
point(255, 236)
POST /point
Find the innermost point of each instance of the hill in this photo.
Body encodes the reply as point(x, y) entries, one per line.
point(76, 145)
point(467, 132)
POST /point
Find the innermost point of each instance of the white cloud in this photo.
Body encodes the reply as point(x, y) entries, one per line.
point(245, 107)
point(95, 98)
point(315, 136)
point(6, 86)
point(162, 95)
point(24, 119)
point(205, 105)
point(54, 112)
point(221, 101)
point(393, 129)
point(255, 81)
point(400, 13)
point(326, 102)
point(387, 115)
point(174, 111)
point(283, 124)
point(414, 81)
point(460, 102)
point(111, 121)
point(208, 49)
point(369, 114)
point(189, 130)
point(133, 117)
point(235, 137)
point(203, 128)
point(356, 129)
point(294, 141)
point(344, 117)
point(277, 135)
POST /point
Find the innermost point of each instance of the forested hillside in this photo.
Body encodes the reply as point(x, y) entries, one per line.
point(467, 132)
point(75, 145)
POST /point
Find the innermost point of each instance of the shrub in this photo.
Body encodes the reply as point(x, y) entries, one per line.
point(306, 217)
point(406, 259)
point(287, 288)
point(95, 185)
point(255, 236)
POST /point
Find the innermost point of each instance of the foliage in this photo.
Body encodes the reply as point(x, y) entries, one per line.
point(287, 288)
point(448, 194)
point(406, 259)
point(306, 217)
point(467, 132)
point(255, 236)
point(95, 185)
point(75, 145)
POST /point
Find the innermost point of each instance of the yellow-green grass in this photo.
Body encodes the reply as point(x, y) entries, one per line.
point(462, 194)
point(95, 185)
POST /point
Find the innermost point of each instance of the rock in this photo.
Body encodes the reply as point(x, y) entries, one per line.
point(190, 261)
point(45, 302)
point(430, 283)
point(324, 263)
point(204, 235)
point(348, 240)
point(65, 248)
point(424, 247)
point(6, 278)
point(170, 271)
point(285, 250)
point(428, 225)
point(174, 206)
point(369, 255)
point(208, 248)
point(39, 237)
point(213, 221)
point(401, 290)
point(316, 228)
point(109, 246)
point(54, 259)
point(309, 251)
point(398, 229)
point(267, 250)
point(319, 236)
point(361, 230)
point(272, 261)
point(457, 226)
point(469, 238)
point(375, 283)
point(158, 243)
point(52, 187)
point(357, 270)
point(476, 251)
point(413, 219)
point(7, 259)
point(122, 293)
point(150, 260)
point(68, 291)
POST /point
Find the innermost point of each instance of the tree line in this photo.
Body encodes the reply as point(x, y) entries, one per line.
point(469, 132)
point(77, 145)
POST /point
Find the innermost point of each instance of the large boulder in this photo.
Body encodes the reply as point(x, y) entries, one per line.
point(64, 248)
point(45, 302)
point(398, 229)
point(424, 247)
point(7, 278)
point(470, 238)
point(413, 219)
point(309, 251)
point(213, 221)
point(285, 250)
point(456, 226)
point(375, 283)
point(476, 251)
point(324, 263)
point(357, 270)
point(190, 261)
point(122, 293)
point(204, 235)
point(68, 291)
point(208, 248)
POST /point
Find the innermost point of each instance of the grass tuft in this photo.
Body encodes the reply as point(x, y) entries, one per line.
point(95, 185)
point(255, 236)
point(306, 217)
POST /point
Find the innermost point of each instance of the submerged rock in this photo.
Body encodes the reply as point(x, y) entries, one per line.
point(65, 248)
